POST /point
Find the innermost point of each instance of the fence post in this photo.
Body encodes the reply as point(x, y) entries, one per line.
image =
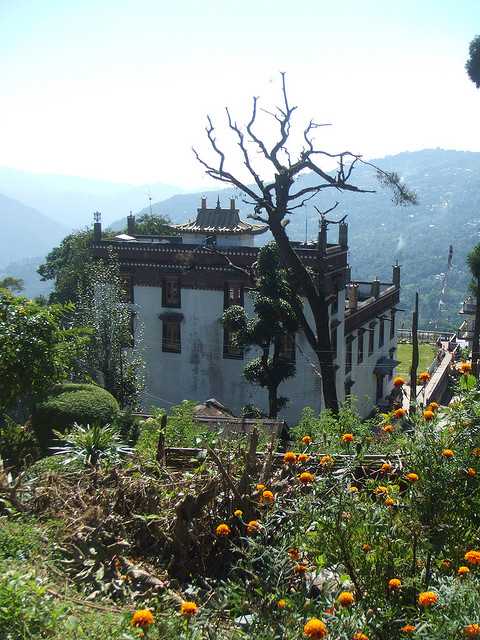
point(413, 370)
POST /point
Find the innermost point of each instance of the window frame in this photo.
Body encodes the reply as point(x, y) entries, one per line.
point(167, 346)
point(177, 304)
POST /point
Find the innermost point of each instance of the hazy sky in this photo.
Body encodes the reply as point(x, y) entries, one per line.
point(118, 89)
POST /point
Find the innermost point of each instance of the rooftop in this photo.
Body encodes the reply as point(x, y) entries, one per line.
point(219, 220)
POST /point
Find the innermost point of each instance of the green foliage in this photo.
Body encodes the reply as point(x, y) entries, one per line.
point(37, 351)
point(67, 264)
point(114, 357)
point(276, 306)
point(18, 444)
point(153, 225)
point(70, 403)
point(473, 63)
point(19, 539)
point(15, 285)
point(92, 445)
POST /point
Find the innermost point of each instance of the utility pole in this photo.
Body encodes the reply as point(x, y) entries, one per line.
point(413, 370)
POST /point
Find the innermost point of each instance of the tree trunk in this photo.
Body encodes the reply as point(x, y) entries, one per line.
point(272, 402)
point(476, 334)
point(320, 342)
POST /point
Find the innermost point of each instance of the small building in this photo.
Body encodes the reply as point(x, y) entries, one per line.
point(180, 286)
point(465, 330)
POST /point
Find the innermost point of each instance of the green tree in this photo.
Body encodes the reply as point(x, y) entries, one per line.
point(473, 261)
point(15, 285)
point(473, 63)
point(149, 224)
point(114, 356)
point(276, 307)
point(275, 198)
point(37, 351)
point(67, 265)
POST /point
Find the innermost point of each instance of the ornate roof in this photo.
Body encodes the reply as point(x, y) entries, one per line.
point(218, 220)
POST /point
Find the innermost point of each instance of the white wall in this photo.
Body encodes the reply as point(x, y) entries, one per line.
point(200, 371)
point(226, 240)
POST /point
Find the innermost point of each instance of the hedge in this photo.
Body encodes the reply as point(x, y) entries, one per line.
point(69, 403)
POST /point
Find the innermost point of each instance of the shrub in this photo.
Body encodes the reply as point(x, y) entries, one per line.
point(69, 403)
point(92, 445)
point(18, 444)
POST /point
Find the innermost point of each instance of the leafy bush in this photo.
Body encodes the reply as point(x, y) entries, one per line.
point(18, 444)
point(71, 403)
point(92, 445)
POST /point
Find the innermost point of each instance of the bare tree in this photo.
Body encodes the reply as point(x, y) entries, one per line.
point(273, 200)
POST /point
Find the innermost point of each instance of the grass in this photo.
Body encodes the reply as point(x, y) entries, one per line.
point(426, 353)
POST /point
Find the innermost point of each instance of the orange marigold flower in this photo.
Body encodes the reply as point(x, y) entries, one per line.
point(472, 630)
point(306, 477)
point(433, 406)
point(366, 547)
point(315, 628)
point(465, 367)
point(307, 440)
point(472, 557)
point(389, 502)
point(347, 437)
point(223, 530)
point(394, 584)
point(268, 497)
point(359, 635)
point(380, 490)
point(188, 608)
point(476, 452)
point(282, 603)
point(346, 598)
point(387, 428)
point(428, 415)
point(326, 461)
point(238, 513)
point(399, 413)
point(448, 453)
point(290, 457)
point(408, 628)
point(253, 526)
point(303, 457)
point(300, 568)
point(294, 553)
point(411, 477)
point(427, 598)
point(462, 571)
point(260, 487)
point(398, 381)
point(386, 467)
point(446, 564)
point(142, 618)
point(424, 377)
point(471, 472)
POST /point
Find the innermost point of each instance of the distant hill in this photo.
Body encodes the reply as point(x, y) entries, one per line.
point(71, 200)
point(448, 212)
point(25, 231)
point(26, 269)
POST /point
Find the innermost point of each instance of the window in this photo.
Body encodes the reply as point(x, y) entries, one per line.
point(333, 340)
point(287, 347)
point(381, 334)
point(392, 325)
point(171, 296)
point(371, 337)
point(348, 354)
point(171, 339)
point(360, 345)
point(231, 349)
point(233, 294)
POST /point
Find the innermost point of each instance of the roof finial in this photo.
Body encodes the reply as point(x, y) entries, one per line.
point(218, 202)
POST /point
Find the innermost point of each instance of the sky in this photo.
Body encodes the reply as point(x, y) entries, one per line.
point(119, 89)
